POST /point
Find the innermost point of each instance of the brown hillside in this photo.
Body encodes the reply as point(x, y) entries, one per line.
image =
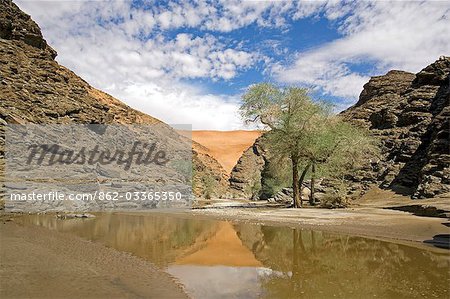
point(36, 89)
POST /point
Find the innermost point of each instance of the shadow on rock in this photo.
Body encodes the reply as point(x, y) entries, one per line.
point(441, 241)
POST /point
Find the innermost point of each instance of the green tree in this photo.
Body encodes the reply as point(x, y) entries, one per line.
point(306, 132)
point(337, 147)
point(290, 114)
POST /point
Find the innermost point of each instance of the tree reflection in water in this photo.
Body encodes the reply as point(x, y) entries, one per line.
point(324, 265)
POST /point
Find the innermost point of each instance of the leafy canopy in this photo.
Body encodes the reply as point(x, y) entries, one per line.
point(289, 112)
point(306, 130)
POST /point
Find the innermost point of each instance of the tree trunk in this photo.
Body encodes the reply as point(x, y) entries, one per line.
point(295, 260)
point(313, 180)
point(300, 181)
point(295, 188)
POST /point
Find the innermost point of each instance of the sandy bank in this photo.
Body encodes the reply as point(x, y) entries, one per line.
point(360, 221)
point(39, 263)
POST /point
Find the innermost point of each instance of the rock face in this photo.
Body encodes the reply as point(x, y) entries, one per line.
point(409, 113)
point(246, 176)
point(17, 25)
point(36, 89)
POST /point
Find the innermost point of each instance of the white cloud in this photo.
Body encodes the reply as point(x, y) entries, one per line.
point(123, 49)
point(402, 35)
point(110, 35)
point(183, 104)
point(145, 73)
point(117, 56)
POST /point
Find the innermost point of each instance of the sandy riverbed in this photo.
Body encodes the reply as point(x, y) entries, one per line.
point(370, 216)
point(39, 263)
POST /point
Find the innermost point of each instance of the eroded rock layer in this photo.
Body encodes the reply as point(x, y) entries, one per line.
point(246, 176)
point(410, 114)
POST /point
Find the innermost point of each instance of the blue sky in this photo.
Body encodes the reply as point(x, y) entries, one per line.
point(277, 44)
point(190, 61)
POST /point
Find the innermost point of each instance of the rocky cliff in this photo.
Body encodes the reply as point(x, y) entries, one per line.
point(18, 26)
point(409, 113)
point(36, 89)
point(246, 176)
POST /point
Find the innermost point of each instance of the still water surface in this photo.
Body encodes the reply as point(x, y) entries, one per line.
point(219, 259)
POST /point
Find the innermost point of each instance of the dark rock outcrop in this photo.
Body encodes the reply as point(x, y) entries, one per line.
point(209, 177)
point(246, 176)
point(36, 89)
point(17, 25)
point(410, 114)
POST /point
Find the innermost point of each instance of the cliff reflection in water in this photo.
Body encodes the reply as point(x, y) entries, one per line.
point(221, 259)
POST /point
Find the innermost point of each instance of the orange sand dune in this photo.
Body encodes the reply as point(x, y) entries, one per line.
point(226, 146)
